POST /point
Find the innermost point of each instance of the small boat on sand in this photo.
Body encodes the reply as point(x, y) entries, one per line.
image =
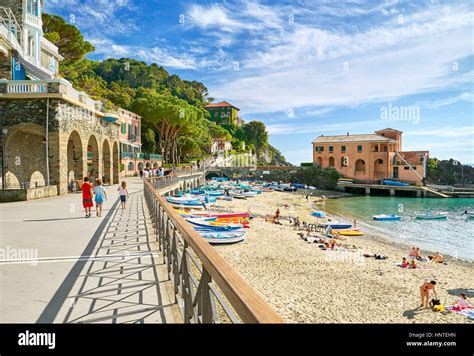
point(387, 217)
point(432, 216)
point(223, 237)
point(188, 205)
point(206, 224)
point(350, 232)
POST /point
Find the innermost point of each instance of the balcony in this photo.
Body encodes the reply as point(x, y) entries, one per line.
point(153, 157)
point(33, 21)
point(124, 155)
point(58, 88)
point(110, 116)
point(50, 47)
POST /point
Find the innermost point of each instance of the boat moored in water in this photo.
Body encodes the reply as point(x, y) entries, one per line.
point(387, 217)
point(432, 216)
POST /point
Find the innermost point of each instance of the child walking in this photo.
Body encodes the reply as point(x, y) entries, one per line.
point(100, 196)
point(87, 203)
point(123, 192)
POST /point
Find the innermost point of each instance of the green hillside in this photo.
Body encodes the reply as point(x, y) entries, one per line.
point(175, 123)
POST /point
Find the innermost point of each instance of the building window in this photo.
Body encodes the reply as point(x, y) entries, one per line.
point(331, 148)
point(320, 149)
point(343, 149)
point(359, 149)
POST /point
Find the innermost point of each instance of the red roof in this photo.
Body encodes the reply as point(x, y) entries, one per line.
point(222, 104)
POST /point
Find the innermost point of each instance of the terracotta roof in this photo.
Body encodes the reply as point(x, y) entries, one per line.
point(389, 129)
point(222, 104)
point(352, 138)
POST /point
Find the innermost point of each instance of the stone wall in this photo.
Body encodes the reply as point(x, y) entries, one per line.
point(5, 67)
point(21, 111)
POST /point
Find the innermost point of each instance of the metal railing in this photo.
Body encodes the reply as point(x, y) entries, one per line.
point(206, 287)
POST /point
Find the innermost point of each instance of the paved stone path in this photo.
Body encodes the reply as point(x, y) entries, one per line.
point(118, 277)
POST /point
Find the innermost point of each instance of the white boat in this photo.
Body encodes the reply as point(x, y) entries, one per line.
point(432, 216)
point(223, 237)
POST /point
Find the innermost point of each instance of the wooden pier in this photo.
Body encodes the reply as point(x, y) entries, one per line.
point(390, 190)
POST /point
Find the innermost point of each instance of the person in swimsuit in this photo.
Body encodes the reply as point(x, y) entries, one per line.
point(425, 292)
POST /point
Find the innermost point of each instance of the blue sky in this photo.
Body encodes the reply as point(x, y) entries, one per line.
point(308, 67)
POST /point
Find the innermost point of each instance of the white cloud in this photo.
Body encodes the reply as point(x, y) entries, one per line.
point(385, 62)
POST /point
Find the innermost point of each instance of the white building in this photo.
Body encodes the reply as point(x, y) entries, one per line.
point(24, 52)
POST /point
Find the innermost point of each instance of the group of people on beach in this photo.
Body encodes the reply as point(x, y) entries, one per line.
point(415, 255)
point(98, 194)
point(274, 219)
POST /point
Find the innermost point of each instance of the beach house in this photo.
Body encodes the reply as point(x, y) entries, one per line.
point(370, 157)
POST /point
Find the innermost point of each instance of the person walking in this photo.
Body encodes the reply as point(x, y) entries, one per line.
point(100, 196)
point(123, 192)
point(87, 193)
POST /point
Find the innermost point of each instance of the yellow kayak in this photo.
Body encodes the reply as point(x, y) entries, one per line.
point(351, 233)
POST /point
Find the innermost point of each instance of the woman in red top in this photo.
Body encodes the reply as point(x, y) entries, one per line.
point(87, 197)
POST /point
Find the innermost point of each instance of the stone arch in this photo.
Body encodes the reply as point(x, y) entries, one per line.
point(319, 161)
point(106, 163)
point(156, 165)
point(360, 166)
point(116, 163)
point(75, 158)
point(21, 161)
point(37, 180)
point(131, 166)
point(93, 169)
point(140, 165)
point(332, 162)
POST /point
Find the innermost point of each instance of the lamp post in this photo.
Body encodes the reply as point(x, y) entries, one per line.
point(4, 170)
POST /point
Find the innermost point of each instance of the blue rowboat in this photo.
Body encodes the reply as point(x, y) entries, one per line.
point(198, 192)
point(337, 226)
point(395, 183)
point(223, 237)
point(387, 217)
point(215, 194)
point(318, 214)
point(432, 216)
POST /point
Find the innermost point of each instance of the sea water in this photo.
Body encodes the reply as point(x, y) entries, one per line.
point(453, 236)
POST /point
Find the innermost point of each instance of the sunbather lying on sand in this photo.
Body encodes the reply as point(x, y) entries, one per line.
point(437, 257)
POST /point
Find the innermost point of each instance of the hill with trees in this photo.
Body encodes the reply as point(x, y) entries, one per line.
point(175, 122)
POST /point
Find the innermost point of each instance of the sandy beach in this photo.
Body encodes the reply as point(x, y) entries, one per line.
point(308, 285)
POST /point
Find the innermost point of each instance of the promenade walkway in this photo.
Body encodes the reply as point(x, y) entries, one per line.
point(98, 270)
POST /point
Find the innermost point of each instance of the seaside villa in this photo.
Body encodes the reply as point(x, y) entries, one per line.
point(370, 157)
point(224, 113)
